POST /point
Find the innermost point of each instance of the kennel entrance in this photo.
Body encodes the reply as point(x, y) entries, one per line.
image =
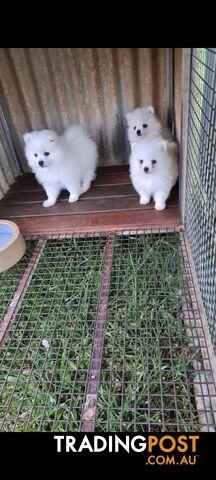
point(104, 328)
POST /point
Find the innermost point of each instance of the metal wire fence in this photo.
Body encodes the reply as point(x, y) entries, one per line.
point(44, 361)
point(201, 176)
point(9, 280)
point(108, 337)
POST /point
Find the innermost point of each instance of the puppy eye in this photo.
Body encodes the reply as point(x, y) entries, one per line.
point(141, 161)
point(134, 128)
point(154, 162)
point(46, 154)
point(145, 125)
point(35, 154)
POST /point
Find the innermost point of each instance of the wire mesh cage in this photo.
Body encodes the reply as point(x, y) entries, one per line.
point(105, 330)
point(201, 176)
point(108, 336)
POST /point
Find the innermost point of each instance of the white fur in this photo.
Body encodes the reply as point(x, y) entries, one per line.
point(161, 176)
point(70, 165)
point(143, 124)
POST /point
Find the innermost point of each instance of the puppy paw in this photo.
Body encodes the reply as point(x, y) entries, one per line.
point(160, 206)
point(73, 198)
point(49, 203)
point(144, 200)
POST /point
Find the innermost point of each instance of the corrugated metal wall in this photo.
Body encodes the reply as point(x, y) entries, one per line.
point(49, 88)
point(9, 167)
point(7, 174)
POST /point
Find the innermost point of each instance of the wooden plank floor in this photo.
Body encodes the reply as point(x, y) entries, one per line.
point(110, 204)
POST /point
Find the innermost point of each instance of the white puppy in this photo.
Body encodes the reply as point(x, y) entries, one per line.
point(154, 170)
point(143, 124)
point(61, 162)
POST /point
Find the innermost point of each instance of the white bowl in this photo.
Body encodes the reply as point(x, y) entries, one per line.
point(12, 244)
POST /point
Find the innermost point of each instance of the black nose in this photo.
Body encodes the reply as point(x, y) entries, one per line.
point(139, 132)
point(146, 169)
point(41, 162)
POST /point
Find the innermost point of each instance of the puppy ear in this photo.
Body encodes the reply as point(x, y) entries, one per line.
point(133, 147)
point(151, 110)
point(26, 137)
point(128, 116)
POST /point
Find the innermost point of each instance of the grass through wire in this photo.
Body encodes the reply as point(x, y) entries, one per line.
point(9, 280)
point(44, 362)
point(147, 372)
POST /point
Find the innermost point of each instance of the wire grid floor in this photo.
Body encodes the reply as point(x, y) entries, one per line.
point(107, 337)
point(201, 177)
point(9, 280)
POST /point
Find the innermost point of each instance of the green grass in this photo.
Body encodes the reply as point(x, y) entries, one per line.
point(41, 388)
point(146, 356)
point(9, 280)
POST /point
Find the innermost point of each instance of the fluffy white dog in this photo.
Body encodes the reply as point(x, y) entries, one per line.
point(143, 124)
point(62, 162)
point(154, 170)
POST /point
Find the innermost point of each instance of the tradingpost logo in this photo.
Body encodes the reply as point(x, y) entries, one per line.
point(158, 450)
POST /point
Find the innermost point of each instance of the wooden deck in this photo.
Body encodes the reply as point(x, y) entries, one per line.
point(110, 204)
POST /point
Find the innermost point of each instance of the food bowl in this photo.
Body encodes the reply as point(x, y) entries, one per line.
point(12, 244)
